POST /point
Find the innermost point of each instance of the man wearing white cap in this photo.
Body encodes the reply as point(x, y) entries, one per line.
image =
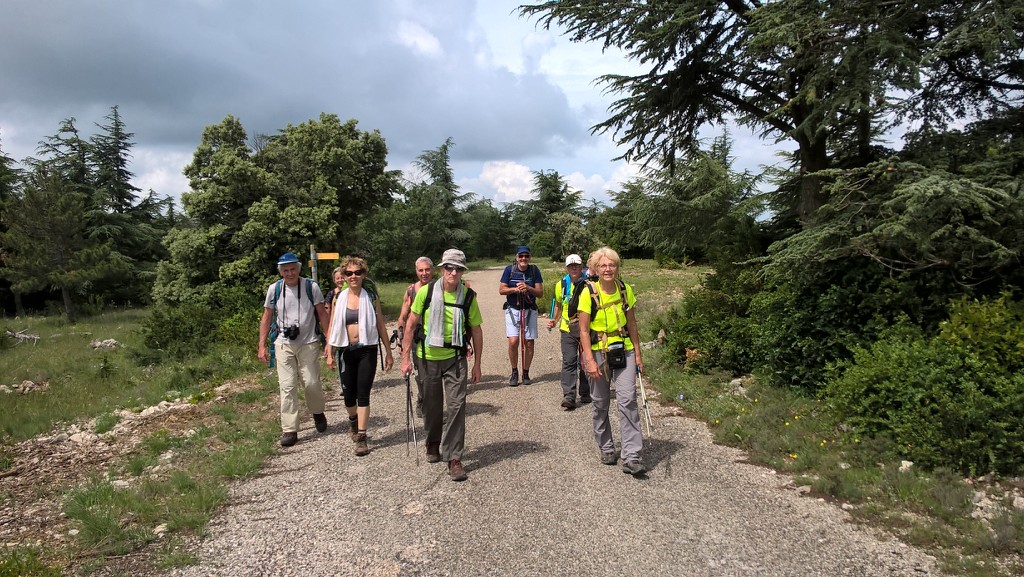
point(570, 335)
point(291, 310)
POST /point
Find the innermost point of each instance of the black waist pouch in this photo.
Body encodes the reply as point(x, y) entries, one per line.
point(616, 355)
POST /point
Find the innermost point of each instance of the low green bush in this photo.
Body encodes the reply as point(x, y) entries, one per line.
point(712, 322)
point(180, 331)
point(945, 401)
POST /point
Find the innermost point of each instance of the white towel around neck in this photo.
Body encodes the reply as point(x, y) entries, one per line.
point(367, 321)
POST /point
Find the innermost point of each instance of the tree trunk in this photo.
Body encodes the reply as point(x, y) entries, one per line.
point(19, 308)
point(68, 307)
point(813, 157)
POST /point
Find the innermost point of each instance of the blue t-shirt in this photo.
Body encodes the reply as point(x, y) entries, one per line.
point(512, 276)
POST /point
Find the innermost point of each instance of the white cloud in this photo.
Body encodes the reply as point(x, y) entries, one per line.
point(509, 180)
point(158, 170)
point(418, 38)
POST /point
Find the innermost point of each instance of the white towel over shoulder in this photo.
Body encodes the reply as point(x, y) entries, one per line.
point(367, 321)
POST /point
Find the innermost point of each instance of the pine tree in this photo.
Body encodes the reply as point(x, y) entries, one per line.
point(46, 245)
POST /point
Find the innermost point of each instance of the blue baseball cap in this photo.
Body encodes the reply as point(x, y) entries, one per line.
point(287, 258)
point(523, 249)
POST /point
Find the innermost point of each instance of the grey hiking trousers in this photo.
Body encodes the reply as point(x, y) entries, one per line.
point(624, 381)
point(444, 404)
point(571, 371)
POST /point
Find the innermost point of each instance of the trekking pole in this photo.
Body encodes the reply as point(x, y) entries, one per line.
point(410, 427)
point(522, 328)
point(644, 407)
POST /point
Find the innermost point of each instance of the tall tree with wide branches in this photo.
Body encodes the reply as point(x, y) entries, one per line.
point(822, 75)
point(311, 183)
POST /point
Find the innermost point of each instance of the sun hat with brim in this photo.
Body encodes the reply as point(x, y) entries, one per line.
point(454, 257)
point(523, 249)
point(573, 259)
point(287, 258)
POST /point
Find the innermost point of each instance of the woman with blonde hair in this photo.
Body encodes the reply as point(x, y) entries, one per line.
point(611, 357)
point(352, 336)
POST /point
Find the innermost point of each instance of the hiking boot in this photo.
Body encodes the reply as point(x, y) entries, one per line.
point(353, 428)
point(320, 422)
point(634, 467)
point(456, 470)
point(586, 400)
point(289, 439)
point(362, 448)
point(513, 381)
point(526, 377)
point(609, 458)
point(433, 452)
point(568, 405)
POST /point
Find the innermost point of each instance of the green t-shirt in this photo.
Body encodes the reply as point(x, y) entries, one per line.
point(473, 319)
point(610, 317)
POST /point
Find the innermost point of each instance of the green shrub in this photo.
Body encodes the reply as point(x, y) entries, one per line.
point(706, 322)
point(713, 319)
point(817, 317)
point(938, 398)
point(992, 329)
point(543, 244)
point(180, 331)
point(241, 327)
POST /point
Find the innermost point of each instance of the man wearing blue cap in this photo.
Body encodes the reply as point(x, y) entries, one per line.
point(291, 310)
point(521, 284)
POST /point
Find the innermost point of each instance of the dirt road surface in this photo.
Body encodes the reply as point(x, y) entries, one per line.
point(538, 501)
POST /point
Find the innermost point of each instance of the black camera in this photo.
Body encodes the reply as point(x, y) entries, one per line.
point(291, 333)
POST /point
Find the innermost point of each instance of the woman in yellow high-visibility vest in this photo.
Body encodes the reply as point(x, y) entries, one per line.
point(611, 357)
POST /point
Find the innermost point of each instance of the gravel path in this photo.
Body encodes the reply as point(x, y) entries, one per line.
point(537, 502)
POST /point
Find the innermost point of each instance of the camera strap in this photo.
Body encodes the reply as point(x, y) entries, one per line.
point(281, 290)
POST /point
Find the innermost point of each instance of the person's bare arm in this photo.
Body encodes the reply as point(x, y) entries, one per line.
point(262, 353)
point(634, 335)
point(477, 335)
point(410, 328)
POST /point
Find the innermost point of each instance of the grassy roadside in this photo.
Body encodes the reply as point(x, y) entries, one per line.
point(89, 478)
point(974, 527)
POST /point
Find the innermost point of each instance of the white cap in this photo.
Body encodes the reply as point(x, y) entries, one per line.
point(573, 259)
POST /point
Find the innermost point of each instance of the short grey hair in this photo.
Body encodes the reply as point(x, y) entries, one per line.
point(425, 259)
point(280, 266)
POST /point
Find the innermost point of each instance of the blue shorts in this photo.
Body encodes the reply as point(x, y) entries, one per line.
point(512, 323)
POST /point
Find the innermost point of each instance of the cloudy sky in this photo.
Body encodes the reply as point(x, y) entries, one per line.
point(514, 98)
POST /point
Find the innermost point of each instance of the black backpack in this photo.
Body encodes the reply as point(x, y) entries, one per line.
point(532, 272)
point(577, 289)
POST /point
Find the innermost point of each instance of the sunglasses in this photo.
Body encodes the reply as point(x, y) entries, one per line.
point(524, 255)
point(357, 272)
point(451, 268)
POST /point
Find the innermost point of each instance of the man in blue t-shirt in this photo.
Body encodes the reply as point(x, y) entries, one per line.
point(521, 284)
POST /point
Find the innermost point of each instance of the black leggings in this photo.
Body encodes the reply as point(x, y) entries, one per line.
point(356, 369)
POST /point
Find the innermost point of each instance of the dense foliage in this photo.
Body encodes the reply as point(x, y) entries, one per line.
point(953, 399)
point(843, 287)
point(73, 224)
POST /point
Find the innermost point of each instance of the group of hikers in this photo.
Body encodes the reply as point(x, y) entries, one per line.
point(440, 333)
